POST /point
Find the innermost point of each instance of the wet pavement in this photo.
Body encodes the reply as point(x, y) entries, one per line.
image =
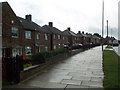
point(83, 70)
point(117, 49)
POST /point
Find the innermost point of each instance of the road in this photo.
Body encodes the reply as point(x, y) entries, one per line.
point(83, 70)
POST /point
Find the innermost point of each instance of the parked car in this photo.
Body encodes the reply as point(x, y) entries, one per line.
point(115, 43)
point(76, 46)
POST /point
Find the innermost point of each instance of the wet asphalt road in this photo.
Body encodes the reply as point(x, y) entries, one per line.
point(83, 70)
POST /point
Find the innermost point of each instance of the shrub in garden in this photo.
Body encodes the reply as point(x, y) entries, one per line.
point(27, 62)
point(38, 58)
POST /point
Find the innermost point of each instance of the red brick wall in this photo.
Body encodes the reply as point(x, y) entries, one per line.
point(7, 16)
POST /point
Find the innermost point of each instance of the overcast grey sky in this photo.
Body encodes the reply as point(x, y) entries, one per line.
point(83, 15)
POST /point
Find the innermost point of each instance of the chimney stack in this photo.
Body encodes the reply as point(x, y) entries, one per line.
point(28, 17)
point(68, 28)
point(79, 32)
point(83, 32)
point(51, 24)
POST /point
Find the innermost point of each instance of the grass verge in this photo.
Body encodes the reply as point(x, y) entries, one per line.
point(110, 68)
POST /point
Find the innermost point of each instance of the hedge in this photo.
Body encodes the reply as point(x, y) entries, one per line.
point(40, 57)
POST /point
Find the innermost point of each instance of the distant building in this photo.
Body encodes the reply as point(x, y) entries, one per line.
point(72, 37)
point(57, 38)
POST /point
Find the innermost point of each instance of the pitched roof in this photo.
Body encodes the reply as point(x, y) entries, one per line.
point(69, 33)
point(30, 25)
point(52, 30)
point(94, 36)
point(79, 35)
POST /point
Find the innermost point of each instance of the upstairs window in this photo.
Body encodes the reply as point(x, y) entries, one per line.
point(54, 36)
point(37, 36)
point(28, 34)
point(63, 37)
point(15, 32)
point(58, 36)
point(46, 37)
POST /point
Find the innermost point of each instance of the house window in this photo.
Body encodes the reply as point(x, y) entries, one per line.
point(15, 32)
point(63, 37)
point(46, 37)
point(58, 36)
point(46, 48)
point(16, 51)
point(58, 45)
point(54, 46)
point(37, 49)
point(37, 36)
point(28, 34)
point(54, 36)
point(28, 50)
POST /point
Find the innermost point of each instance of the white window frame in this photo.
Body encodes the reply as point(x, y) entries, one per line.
point(37, 36)
point(14, 29)
point(46, 36)
point(46, 48)
point(59, 37)
point(16, 51)
point(59, 45)
point(30, 50)
point(54, 36)
point(63, 38)
point(54, 46)
point(28, 34)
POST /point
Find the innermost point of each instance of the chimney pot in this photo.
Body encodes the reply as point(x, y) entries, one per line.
point(28, 17)
point(79, 32)
point(68, 28)
point(51, 24)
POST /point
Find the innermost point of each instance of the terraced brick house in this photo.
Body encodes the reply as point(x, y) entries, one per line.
point(35, 39)
point(80, 37)
point(12, 32)
point(57, 38)
point(72, 37)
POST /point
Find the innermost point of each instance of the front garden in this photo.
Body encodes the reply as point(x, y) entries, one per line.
point(41, 57)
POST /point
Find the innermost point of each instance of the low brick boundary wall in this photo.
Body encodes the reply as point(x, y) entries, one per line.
point(27, 73)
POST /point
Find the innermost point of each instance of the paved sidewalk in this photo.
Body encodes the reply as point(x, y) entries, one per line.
point(83, 70)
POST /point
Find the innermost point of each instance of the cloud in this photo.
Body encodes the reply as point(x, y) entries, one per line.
point(78, 14)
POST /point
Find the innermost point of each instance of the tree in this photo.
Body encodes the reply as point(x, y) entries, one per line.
point(96, 34)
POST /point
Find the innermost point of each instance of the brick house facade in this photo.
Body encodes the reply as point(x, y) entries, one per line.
point(57, 38)
point(22, 36)
point(72, 37)
point(37, 39)
point(11, 32)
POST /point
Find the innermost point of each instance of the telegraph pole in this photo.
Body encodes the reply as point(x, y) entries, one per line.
point(102, 23)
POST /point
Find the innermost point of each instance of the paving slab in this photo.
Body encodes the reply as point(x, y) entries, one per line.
point(72, 82)
point(76, 86)
point(92, 84)
point(81, 78)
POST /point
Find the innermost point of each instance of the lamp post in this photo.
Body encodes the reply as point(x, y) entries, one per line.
point(102, 23)
point(107, 34)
